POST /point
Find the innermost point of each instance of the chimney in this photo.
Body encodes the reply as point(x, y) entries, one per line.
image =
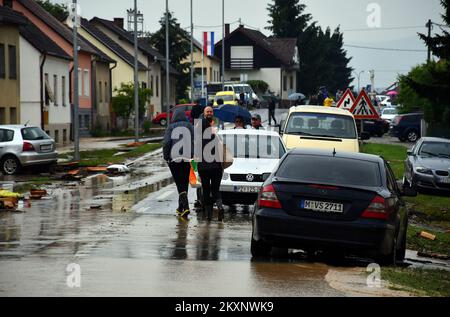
point(227, 29)
point(118, 22)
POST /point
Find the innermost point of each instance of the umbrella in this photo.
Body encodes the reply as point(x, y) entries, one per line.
point(228, 113)
point(296, 96)
point(392, 93)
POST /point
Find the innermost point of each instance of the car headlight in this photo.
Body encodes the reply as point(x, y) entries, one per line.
point(424, 170)
point(225, 176)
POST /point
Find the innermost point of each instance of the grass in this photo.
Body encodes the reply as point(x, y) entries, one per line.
point(431, 208)
point(106, 157)
point(440, 245)
point(420, 282)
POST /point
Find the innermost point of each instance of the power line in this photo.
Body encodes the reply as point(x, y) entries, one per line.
point(384, 48)
point(385, 29)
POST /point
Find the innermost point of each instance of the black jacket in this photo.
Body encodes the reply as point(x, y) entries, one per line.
point(204, 165)
point(179, 121)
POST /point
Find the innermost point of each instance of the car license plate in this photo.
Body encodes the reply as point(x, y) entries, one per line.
point(321, 206)
point(46, 147)
point(444, 180)
point(246, 189)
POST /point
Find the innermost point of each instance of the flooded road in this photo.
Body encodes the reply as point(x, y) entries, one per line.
point(122, 235)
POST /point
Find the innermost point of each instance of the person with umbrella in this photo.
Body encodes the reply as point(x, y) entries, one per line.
point(209, 167)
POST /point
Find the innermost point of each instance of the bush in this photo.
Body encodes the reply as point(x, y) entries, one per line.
point(147, 126)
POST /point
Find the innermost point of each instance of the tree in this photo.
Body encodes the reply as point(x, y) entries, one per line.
point(179, 50)
point(429, 84)
point(58, 10)
point(123, 102)
point(323, 61)
point(258, 86)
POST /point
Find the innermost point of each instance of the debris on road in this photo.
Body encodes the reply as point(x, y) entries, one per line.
point(36, 194)
point(427, 235)
point(96, 169)
point(118, 169)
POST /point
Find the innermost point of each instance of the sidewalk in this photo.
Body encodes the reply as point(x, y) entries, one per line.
point(87, 144)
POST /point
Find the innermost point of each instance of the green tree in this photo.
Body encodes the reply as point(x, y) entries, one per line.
point(287, 18)
point(123, 102)
point(179, 50)
point(58, 10)
point(258, 86)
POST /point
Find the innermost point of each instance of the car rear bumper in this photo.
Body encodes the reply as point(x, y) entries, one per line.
point(34, 158)
point(366, 236)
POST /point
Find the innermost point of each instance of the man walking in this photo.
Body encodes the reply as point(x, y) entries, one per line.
point(272, 107)
point(179, 161)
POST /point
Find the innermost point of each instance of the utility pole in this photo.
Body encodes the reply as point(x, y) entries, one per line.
point(167, 65)
point(192, 55)
point(223, 44)
point(429, 25)
point(136, 80)
point(76, 137)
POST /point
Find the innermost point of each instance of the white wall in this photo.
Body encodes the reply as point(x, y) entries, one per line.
point(272, 76)
point(58, 114)
point(30, 99)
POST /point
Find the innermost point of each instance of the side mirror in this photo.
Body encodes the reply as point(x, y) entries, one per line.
point(364, 136)
point(410, 153)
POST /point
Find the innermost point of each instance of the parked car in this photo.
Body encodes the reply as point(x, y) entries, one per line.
point(427, 166)
point(389, 114)
point(161, 118)
point(407, 127)
point(376, 127)
point(22, 145)
point(246, 89)
point(256, 153)
point(321, 127)
point(228, 97)
point(327, 200)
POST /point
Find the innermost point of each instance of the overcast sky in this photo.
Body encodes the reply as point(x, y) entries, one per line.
point(351, 15)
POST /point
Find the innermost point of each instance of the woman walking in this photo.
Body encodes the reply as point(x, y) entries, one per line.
point(178, 156)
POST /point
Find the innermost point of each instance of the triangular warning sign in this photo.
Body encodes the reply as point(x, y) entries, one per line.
point(347, 100)
point(363, 107)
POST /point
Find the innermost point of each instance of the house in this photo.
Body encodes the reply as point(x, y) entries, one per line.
point(92, 62)
point(251, 54)
point(10, 65)
point(44, 84)
point(148, 56)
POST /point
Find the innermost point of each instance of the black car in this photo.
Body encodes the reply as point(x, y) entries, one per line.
point(427, 167)
point(375, 127)
point(407, 127)
point(319, 200)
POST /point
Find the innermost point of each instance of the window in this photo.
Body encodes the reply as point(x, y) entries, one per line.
point(63, 91)
point(64, 135)
point(12, 115)
point(157, 86)
point(210, 74)
point(2, 115)
point(12, 62)
point(86, 121)
point(57, 136)
point(285, 83)
point(55, 89)
point(100, 95)
point(33, 133)
point(6, 135)
point(144, 85)
point(151, 83)
point(87, 83)
point(291, 82)
point(47, 88)
point(80, 83)
point(106, 92)
point(8, 3)
point(2, 61)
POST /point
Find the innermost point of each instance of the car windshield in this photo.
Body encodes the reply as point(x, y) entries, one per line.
point(225, 98)
point(389, 111)
point(324, 125)
point(254, 146)
point(435, 149)
point(330, 170)
point(31, 134)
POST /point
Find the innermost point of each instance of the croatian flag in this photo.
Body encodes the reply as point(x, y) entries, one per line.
point(208, 43)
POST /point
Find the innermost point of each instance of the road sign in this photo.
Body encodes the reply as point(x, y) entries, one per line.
point(347, 100)
point(363, 107)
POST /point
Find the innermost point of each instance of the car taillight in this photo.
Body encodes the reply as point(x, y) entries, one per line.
point(27, 147)
point(377, 209)
point(397, 119)
point(268, 198)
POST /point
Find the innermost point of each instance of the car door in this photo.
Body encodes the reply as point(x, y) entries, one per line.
point(398, 203)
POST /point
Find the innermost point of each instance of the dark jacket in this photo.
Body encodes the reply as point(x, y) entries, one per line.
point(178, 121)
point(272, 104)
point(203, 165)
point(197, 111)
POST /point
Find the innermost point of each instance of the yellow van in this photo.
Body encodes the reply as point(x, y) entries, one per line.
point(228, 97)
point(321, 128)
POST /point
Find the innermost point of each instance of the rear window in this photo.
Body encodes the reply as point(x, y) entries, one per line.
point(225, 98)
point(6, 135)
point(330, 170)
point(31, 134)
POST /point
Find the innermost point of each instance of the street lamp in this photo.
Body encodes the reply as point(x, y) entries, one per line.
point(359, 79)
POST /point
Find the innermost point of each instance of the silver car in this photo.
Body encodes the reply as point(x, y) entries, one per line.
point(22, 145)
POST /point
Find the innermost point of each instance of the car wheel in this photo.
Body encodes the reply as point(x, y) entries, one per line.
point(10, 165)
point(163, 122)
point(391, 258)
point(260, 248)
point(412, 136)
